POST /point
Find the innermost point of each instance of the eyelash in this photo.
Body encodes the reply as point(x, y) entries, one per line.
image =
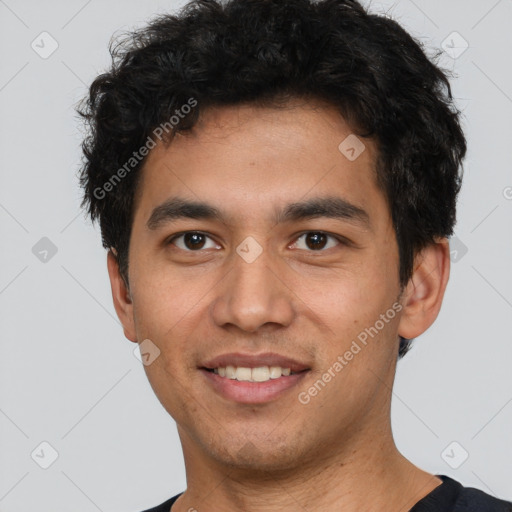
point(340, 240)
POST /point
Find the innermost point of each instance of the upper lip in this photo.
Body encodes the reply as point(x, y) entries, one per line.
point(255, 361)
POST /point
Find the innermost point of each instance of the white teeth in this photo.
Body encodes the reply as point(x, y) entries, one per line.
point(275, 372)
point(260, 374)
point(230, 372)
point(243, 373)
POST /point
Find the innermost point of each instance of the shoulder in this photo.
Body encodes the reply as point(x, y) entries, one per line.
point(452, 496)
point(474, 500)
point(165, 506)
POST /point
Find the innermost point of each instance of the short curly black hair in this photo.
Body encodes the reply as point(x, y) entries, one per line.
point(265, 52)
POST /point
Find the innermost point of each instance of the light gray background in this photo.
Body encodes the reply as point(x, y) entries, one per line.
point(69, 377)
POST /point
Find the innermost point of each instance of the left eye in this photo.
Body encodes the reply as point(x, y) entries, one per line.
point(192, 241)
point(316, 240)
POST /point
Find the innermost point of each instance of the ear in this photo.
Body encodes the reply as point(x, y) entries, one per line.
point(121, 295)
point(423, 295)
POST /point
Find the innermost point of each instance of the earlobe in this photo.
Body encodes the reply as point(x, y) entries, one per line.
point(121, 296)
point(423, 295)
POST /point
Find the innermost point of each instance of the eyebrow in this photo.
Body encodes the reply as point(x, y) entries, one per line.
point(318, 207)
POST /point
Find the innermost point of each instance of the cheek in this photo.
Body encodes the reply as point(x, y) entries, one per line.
point(353, 307)
point(166, 300)
point(157, 320)
point(167, 319)
point(345, 299)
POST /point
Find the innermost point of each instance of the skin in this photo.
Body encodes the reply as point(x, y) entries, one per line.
point(337, 452)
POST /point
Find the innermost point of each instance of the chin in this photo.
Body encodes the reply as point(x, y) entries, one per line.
point(256, 455)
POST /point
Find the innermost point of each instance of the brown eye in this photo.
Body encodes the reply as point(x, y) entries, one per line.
point(192, 241)
point(316, 241)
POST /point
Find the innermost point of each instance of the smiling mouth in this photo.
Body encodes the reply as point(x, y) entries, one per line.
point(258, 374)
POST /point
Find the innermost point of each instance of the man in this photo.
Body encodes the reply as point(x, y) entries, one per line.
point(275, 182)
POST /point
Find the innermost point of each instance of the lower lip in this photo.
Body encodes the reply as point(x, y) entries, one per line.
point(252, 392)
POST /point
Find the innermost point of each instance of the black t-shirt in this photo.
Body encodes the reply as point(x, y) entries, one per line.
point(450, 496)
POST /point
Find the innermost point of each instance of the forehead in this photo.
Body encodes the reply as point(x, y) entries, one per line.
point(242, 159)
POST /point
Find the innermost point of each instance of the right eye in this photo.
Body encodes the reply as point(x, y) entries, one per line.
point(192, 241)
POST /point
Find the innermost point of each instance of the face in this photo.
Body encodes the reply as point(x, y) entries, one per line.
point(288, 261)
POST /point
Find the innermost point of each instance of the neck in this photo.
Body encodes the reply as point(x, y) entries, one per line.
point(369, 473)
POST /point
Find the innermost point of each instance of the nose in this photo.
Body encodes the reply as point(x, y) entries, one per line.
point(253, 295)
